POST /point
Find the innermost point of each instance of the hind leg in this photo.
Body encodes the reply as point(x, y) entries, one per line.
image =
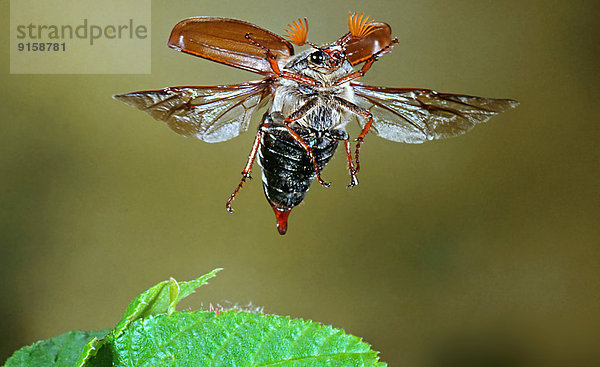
point(248, 168)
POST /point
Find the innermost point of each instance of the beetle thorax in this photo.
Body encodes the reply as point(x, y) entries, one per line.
point(290, 96)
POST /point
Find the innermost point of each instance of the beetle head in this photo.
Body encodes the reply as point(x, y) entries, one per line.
point(362, 36)
point(328, 57)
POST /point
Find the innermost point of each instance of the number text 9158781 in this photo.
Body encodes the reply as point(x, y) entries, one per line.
point(41, 46)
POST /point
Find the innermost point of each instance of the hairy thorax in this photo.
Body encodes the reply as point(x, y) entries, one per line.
point(291, 95)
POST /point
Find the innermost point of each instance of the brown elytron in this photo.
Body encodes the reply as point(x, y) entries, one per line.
point(311, 97)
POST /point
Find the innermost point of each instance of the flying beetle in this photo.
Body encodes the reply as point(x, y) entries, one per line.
point(311, 95)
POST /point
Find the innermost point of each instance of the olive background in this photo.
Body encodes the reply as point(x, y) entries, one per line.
point(481, 250)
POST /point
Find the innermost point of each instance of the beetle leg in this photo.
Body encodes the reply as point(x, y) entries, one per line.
point(361, 137)
point(300, 78)
point(298, 114)
point(362, 113)
point(351, 170)
point(357, 74)
point(248, 168)
point(282, 74)
point(367, 64)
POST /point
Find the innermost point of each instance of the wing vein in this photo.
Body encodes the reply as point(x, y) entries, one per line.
point(381, 105)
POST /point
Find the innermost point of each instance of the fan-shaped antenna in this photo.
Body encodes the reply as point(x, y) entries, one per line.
point(298, 32)
point(360, 25)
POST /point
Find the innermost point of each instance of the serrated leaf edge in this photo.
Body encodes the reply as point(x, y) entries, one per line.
point(369, 353)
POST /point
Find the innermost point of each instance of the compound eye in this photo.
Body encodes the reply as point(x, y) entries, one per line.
point(317, 57)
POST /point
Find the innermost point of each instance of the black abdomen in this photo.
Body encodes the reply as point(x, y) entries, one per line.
point(287, 170)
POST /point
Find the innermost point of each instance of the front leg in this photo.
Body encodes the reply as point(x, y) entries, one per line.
point(360, 73)
point(283, 74)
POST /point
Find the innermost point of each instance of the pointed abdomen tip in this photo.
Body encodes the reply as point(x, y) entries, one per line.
point(281, 214)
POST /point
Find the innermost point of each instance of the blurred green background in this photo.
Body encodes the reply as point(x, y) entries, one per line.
point(482, 250)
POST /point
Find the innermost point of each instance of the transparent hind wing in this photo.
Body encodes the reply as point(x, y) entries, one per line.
point(419, 115)
point(211, 114)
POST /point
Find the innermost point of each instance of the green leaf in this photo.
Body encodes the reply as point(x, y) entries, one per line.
point(233, 338)
point(152, 333)
point(59, 351)
point(159, 299)
point(96, 353)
